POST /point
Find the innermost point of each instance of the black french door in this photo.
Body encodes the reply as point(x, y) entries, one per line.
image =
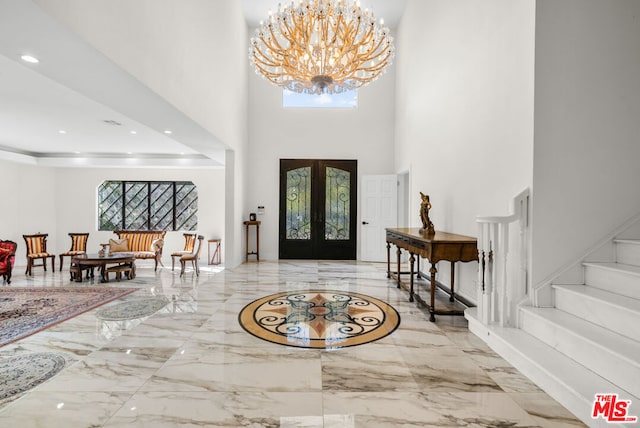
point(318, 209)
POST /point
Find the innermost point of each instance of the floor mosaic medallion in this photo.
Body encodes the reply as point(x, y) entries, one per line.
point(319, 319)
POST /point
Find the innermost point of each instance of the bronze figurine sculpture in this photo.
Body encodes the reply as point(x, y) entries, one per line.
point(425, 206)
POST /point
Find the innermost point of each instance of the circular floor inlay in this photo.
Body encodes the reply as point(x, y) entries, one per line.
point(21, 373)
point(319, 318)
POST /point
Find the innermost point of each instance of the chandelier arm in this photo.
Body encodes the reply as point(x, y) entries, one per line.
point(364, 40)
point(347, 41)
point(265, 69)
point(264, 59)
point(356, 30)
point(363, 57)
point(268, 44)
point(346, 49)
point(368, 37)
point(268, 75)
point(366, 57)
point(295, 42)
point(272, 58)
point(325, 57)
point(374, 70)
point(274, 39)
point(380, 53)
point(289, 29)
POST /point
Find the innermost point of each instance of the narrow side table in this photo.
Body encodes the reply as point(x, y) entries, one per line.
point(257, 251)
point(215, 258)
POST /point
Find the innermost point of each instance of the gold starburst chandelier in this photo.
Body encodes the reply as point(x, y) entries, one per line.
point(321, 46)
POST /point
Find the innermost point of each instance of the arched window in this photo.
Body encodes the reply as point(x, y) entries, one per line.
point(147, 205)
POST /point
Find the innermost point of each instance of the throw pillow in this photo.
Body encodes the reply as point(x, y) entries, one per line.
point(157, 244)
point(121, 246)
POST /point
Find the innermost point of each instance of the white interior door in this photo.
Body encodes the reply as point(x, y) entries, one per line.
point(379, 210)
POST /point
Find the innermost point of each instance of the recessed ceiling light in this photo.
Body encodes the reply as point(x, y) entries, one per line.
point(182, 153)
point(29, 58)
point(133, 132)
point(129, 153)
point(167, 131)
point(62, 131)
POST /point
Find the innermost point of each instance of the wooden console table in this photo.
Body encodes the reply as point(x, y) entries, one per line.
point(433, 247)
point(257, 251)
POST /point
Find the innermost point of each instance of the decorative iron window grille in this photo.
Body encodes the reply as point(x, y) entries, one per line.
point(147, 205)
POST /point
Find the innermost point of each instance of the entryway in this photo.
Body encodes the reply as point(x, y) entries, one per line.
point(318, 209)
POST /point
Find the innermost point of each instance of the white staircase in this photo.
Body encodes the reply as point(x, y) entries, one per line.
point(588, 343)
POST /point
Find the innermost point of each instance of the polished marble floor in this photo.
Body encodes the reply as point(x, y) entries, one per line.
point(191, 364)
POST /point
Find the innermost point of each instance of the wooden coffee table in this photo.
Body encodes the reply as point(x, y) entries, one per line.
point(90, 261)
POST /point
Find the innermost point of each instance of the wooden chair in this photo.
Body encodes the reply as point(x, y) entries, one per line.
point(78, 246)
point(189, 243)
point(193, 258)
point(7, 258)
point(37, 249)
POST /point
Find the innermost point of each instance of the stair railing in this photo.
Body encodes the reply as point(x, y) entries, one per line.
point(502, 278)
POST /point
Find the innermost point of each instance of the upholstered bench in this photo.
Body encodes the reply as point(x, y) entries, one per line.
point(144, 244)
point(118, 270)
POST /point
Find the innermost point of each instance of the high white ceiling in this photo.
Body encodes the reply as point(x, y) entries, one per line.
point(89, 113)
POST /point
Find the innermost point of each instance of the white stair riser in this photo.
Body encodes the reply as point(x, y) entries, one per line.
point(613, 281)
point(615, 318)
point(604, 362)
point(575, 401)
point(565, 380)
point(628, 254)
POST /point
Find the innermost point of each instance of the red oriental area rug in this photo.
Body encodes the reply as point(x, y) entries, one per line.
point(27, 310)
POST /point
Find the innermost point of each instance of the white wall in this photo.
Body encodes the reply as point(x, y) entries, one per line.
point(76, 201)
point(28, 205)
point(587, 127)
point(364, 134)
point(464, 111)
point(62, 200)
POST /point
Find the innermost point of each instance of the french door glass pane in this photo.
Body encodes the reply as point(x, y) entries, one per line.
point(337, 203)
point(298, 204)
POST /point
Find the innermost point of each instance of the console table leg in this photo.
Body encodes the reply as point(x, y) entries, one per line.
point(453, 274)
point(388, 260)
point(432, 308)
point(411, 262)
point(398, 252)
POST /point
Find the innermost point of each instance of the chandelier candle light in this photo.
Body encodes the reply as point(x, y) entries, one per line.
point(321, 46)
